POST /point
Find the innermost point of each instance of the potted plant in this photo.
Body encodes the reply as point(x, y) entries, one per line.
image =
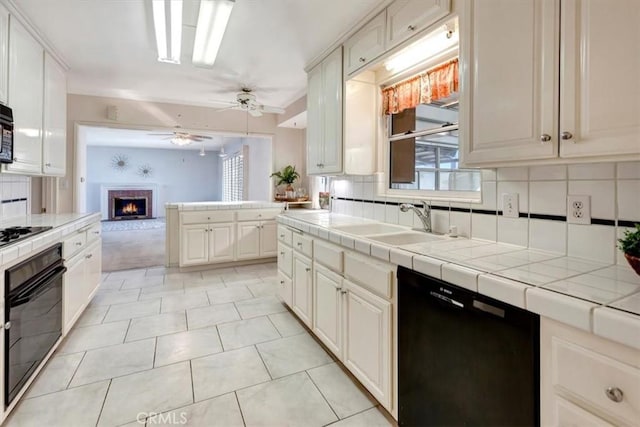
point(630, 245)
point(287, 175)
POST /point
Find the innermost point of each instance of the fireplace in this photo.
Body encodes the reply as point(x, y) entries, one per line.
point(130, 204)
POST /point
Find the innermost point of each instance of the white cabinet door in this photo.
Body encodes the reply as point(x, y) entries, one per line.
point(25, 98)
point(285, 259)
point(248, 240)
point(367, 348)
point(315, 119)
point(268, 239)
point(4, 53)
point(510, 75)
point(332, 79)
point(54, 138)
point(194, 244)
point(569, 415)
point(285, 288)
point(600, 84)
point(302, 287)
point(74, 295)
point(365, 45)
point(327, 308)
point(406, 18)
point(93, 260)
point(221, 242)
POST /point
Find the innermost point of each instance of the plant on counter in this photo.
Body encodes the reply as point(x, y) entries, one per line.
point(287, 175)
point(630, 245)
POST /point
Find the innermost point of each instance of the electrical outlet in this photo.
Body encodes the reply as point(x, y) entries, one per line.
point(510, 205)
point(579, 209)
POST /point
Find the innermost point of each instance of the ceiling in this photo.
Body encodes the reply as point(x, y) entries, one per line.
point(131, 138)
point(109, 46)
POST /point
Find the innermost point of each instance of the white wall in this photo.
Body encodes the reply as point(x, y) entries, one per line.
point(180, 175)
point(542, 192)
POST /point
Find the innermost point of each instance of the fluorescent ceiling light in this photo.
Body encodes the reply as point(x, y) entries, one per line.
point(434, 44)
point(168, 38)
point(212, 22)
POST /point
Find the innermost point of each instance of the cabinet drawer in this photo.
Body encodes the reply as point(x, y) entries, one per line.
point(588, 375)
point(206, 216)
point(73, 244)
point(303, 244)
point(376, 276)
point(285, 235)
point(285, 259)
point(328, 255)
point(257, 214)
point(94, 232)
point(568, 414)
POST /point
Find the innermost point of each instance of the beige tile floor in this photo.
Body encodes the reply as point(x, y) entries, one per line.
point(213, 348)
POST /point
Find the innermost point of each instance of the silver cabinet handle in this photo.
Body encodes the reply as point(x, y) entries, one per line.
point(411, 27)
point(89, 256)
point(47, 164)
point(78, 243)
point(614, 394)
point(15, 159)
point(362, 59)
point(307, 269)
point(257, 226)
point(282, 236)
point(566, 136)
point(282, 253)
point(342, 291)
point(299, 243)
point(282, 282)
point(96, 232)
point(545, 137)
point(7, 325)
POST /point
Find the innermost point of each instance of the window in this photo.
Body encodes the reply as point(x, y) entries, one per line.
point(233, 177)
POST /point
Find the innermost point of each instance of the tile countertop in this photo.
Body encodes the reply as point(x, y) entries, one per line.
point(593, 296)
point(201, 206)
point(63, 224)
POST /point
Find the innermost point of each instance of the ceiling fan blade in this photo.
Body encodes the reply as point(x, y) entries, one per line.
point(233, 107)
point(254, 112)
point(200, 137)
point(160, 134)
point(270, 109)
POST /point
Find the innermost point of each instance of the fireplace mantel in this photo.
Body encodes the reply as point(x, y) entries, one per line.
point(104, 195)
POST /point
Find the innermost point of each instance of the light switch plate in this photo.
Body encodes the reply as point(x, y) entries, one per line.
point(579, 209)
point(510, 207)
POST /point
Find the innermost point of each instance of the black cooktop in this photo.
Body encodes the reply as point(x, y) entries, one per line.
point(15, 234)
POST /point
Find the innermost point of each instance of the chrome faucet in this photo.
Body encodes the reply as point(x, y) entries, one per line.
point(425, 216)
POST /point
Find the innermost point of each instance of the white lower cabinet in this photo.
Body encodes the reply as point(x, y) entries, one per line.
point(256, 239)
point(367, 349)
point(221, 242)
point(302, 287)
point(80, 282)
point(285, 288)
point(328, 308)
point(586, 380)
point(194, 244)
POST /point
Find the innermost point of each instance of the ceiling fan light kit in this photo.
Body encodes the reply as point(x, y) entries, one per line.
point(212, 23)
point(180, 140)
point(167, 20)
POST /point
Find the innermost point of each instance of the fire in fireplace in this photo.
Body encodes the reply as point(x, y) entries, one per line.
point(130, 204)
point(129, 207)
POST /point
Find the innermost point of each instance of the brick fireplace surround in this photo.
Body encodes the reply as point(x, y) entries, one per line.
point(113, 194)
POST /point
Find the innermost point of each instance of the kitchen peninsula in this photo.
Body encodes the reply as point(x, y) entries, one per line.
point(220, 233)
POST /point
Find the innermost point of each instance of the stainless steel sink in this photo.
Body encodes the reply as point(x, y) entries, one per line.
point(366, 229)
point(406, 238)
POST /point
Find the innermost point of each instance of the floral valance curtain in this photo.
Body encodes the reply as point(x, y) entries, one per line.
point(437, 83)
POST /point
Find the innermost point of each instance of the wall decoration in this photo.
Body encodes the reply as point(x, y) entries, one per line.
point(145, 171)
point(120, 162)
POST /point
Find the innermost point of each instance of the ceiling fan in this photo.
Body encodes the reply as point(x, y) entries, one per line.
point(246, 101)
point(179, 137)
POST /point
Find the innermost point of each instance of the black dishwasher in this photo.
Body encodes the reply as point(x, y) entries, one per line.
point(464, 359)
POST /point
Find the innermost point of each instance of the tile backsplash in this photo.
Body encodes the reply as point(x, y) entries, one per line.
point(614, 190)
point(15, 193)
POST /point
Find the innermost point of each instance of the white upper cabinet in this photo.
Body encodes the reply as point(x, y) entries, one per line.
point(54, 138)
point(324, 116)
point(509, 80)
point(555, 80)
point(365, 45)
point(4, 52)
point(600, 76)
point(26, 58)
point(408, 17)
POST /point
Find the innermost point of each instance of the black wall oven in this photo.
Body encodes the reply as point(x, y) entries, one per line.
point(33, 316)
point(6, 134)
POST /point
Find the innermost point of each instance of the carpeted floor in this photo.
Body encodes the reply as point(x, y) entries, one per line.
point(132, 244)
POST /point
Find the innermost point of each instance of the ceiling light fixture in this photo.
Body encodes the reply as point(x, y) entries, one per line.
point(168, 37)
point(202, 153)
point(212, 22)
point(222, 153)
point(180, 140)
